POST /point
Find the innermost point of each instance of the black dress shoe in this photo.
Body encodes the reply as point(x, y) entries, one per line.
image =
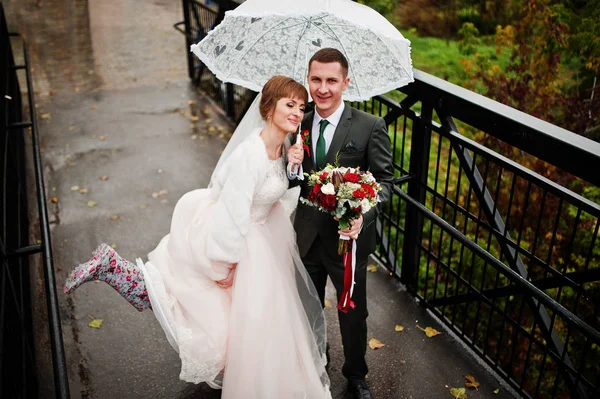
point(327, 356)
point(359, 389)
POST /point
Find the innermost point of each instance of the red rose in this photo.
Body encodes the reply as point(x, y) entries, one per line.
point(359, 194)
point(323, 175)
point(369, 190)
point(312, 197)
point(328, 202)
point(352, 177)
point(317, 188)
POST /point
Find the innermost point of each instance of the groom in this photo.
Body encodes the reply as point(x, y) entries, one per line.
point(359, 139)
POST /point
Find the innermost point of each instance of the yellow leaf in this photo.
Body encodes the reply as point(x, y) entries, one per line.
point(429, 331)
point(95, 323)
point(47, 116)
point(72, 128)
point(54, 200)
point(113, 246)
point(471, 382)
point(372, 268)
point(74, 188)
point(399, 328)
point(83, 191)
point(191, 102)
point(496, 391)
point(458, 393)
point(328, 303)
point(194, 118)
point(374, 343)
point(208, 120)
point(114, 217)
point(104, 178)
point(92, 204)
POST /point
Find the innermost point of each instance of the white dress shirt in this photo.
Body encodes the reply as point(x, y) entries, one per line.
point(334, 121)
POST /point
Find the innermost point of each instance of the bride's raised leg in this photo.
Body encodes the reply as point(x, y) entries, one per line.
point(106, 265)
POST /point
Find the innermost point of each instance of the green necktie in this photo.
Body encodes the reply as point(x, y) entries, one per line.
point(320, 154)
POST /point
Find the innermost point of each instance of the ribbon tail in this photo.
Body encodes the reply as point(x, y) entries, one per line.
point(346, 302)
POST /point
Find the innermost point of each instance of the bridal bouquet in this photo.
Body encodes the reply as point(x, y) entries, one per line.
point(344, 193)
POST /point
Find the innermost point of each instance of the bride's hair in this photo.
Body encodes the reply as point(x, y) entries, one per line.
point(276, 88)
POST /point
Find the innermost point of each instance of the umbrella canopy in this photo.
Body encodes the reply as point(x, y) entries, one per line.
point(262, 38)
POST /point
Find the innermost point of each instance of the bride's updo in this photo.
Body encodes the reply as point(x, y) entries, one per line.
point(276, 88)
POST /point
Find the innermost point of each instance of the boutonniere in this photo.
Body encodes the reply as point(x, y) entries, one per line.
point(306, 141)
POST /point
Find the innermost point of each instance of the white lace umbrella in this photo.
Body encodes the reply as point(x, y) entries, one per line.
point(262, 38)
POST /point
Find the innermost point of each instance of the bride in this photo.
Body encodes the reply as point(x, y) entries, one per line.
point(227, 284)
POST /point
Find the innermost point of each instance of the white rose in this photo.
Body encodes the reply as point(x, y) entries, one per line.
point(328, 189)
point(365, 205)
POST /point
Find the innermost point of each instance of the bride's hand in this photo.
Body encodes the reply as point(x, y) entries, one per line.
point(228, 281)
point(295, 154)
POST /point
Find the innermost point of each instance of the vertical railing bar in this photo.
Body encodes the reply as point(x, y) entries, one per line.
point(481, 226)
point(489, 244)
point(456, 213)
point(462, 248)
point(449, 267)
point(507, 300)
point(433, 209)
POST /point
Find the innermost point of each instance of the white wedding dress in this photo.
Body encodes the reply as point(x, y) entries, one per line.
point(265, 336)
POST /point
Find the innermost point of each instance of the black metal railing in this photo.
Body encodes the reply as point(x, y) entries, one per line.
point(508, 259)
point(199, 19)
point(17, 355)
point(493, 224)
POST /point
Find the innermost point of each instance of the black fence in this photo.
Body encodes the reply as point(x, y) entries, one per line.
point(493, 225)
point(199, 19)
point(17, 355)
point(506, 257)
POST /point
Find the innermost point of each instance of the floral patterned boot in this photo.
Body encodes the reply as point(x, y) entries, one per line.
point(106, 265)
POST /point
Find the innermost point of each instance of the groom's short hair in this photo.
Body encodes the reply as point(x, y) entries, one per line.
point(327, 55)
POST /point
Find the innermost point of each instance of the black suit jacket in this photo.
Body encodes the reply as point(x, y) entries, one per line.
point(360, 139)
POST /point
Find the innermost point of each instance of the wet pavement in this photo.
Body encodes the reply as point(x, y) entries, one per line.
point(124, 136)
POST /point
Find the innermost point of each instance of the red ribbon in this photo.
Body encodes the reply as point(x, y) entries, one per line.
point(346, 302)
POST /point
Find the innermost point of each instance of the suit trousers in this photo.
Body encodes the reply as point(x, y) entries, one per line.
point(321, 262)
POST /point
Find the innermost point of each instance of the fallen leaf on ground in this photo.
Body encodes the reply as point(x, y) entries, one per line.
point(113, 246)
point(328, 303)
point(92, 204)
point(194, 118)
point(143, 206)
point(102, 138)
point(209, 120)
point(429, 331)
point(374, 343)
point(104, 178)
point(372, 268)
point(72, 163)
point(115, 217)
point(471, 382)
point(95, 323)
point(46, 116)
point(399, 328)
point(72, 128)
point(74, 188)
point(163, 192)
point(191, 102)
point(92, 107)
point(83, 191)
point(211, 129)
point(54, 200)
point(496, 391)
point(458, 393)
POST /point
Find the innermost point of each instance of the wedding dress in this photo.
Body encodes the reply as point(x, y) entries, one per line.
point(265, 336)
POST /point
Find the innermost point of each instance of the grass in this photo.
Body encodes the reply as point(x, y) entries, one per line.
point(441, 57)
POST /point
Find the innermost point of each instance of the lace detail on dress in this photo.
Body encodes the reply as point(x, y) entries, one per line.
point(273, 187)
point(199, 365)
